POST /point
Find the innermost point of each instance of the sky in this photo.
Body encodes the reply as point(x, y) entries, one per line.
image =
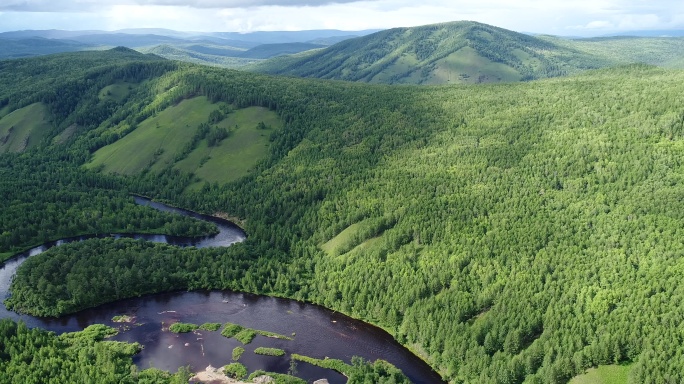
point(557, 17)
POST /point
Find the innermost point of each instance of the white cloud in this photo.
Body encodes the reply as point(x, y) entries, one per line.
point(94, 5)
point(597, 24)
point(542, 16)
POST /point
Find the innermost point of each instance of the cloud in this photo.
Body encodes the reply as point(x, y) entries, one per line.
point(597, 24)
point(560, 17)
point(95, 5)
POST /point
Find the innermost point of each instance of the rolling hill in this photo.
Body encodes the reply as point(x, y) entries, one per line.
point(36, 46)
point(225, 56)
point(457, 52)
point(661, 51)
point(469, 52)
point(509, 233)
point(225, 49)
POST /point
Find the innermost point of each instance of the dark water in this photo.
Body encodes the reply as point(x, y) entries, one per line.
point(318, 331)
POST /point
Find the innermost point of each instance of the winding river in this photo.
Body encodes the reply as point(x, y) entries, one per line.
point(319, 332)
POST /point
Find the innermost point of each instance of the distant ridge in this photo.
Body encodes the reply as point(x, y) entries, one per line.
point(463, 51)
point(226, 49)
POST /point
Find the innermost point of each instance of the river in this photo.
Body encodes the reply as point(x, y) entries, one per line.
point(319, 332)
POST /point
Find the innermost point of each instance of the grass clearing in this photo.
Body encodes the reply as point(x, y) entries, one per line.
point(365, 233)
point(341, 240)
point(116, 92)
point(66, 134)
point(156, 141)
point(239, 153)
point(24, 128)
point(478, 69)
point(604, 374)
point(368, 245)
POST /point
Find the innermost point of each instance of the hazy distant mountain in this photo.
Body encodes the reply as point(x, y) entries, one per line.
point(650, 33)
point(36, 46)
point(265, 51)
point(46, 34)
point(213, 48)
point(277, 37)
point(126, 40)
point(180, 53)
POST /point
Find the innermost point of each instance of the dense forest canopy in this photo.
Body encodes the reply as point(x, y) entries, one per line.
point(506, 233)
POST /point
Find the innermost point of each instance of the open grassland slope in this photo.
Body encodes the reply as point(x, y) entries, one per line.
point(180, 137)
point(24, 128)
point(604, 374)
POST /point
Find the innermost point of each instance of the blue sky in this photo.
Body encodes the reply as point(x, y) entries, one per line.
point(567, 17)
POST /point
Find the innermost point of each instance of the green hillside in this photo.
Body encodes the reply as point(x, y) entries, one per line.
point(24, 128)
point(162, 142)
point(156, 141)
point(605, 374)
point(457, 52)
point(508, 233)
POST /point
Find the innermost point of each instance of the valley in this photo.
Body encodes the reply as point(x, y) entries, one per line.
point(513, 232)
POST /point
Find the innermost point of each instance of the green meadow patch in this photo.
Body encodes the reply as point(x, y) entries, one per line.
point(247, 144)
point(604, 374)
point(24, 128)
point(117, 92)
point(156, 141)
point(362, 234)
point(160, 142)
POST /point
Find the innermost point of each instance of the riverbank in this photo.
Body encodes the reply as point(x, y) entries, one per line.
point(233, 219)
point(307, 321)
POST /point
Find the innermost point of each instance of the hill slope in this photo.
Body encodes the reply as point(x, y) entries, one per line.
point(459, 52)
point(507, 233)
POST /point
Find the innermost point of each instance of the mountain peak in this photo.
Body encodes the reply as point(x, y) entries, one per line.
point(459, 51)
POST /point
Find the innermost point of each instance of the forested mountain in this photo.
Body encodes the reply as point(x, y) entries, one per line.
point(457, 52)
point(507, 233)
point(469, 52)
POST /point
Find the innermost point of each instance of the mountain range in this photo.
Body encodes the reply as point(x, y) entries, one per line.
point(216, 45)
point(468, 52)
point(446, 53)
